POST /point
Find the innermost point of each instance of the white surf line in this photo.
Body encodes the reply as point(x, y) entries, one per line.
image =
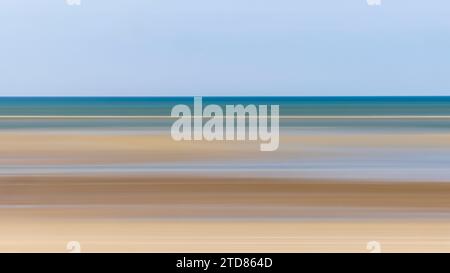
point(93, 117)
point(366, 117)
point(170, 117)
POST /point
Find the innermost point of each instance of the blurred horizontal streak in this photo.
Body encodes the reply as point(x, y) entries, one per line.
point(222, 116)
point(205, 236)
point(199, 197)
point(107, 173)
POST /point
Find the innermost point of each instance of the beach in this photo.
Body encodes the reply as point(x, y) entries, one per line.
point(146, 193)
point(143, 214)
point(107, 174)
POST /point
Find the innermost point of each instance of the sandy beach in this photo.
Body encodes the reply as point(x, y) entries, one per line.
point(151, 214)
point(123, 190)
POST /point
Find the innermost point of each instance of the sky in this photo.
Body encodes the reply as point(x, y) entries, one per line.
point(224, 48)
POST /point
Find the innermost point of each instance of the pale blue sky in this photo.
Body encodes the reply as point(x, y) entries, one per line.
point(224, 47)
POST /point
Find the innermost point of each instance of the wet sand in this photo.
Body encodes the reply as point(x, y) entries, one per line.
point(221, 196)
point(189, 214)
point(40, 147)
